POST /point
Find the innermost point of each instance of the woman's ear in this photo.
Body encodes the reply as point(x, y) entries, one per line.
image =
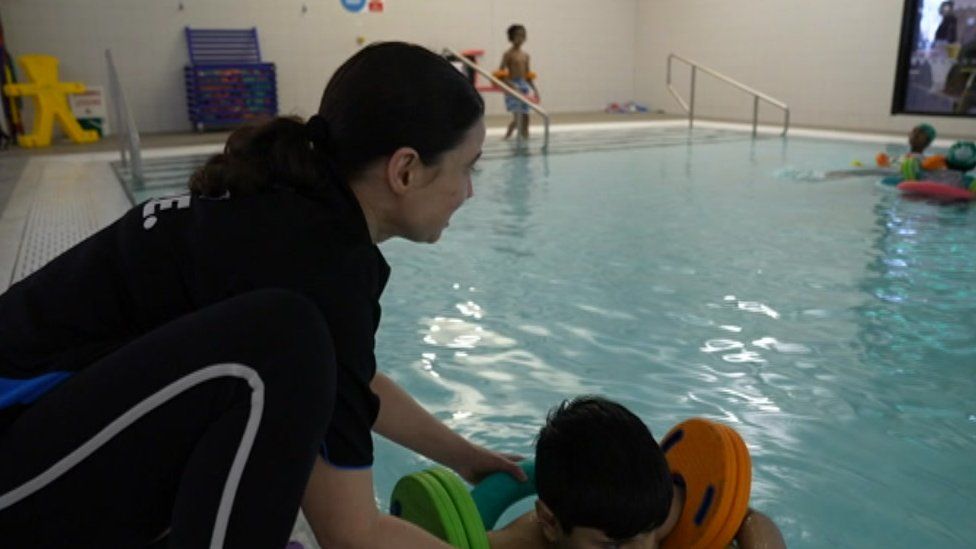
point(402, 170)
point(550, 526)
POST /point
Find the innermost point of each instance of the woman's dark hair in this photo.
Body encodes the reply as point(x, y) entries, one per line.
point(514, 29)
point(598, 466)
point(389, 95)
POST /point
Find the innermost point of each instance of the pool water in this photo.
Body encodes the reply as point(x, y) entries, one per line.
point(831, 322)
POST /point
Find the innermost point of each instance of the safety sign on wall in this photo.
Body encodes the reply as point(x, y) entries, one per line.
point(354, 6)
point(357, 6)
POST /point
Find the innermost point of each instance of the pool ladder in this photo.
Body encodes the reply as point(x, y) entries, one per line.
point(756, 95)
point(455, 56)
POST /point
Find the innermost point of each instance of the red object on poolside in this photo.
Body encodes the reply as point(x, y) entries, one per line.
point(935, 190)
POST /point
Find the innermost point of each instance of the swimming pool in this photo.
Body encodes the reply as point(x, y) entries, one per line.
point(831, 322)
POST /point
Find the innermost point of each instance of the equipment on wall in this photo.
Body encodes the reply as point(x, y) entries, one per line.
point(226, 82)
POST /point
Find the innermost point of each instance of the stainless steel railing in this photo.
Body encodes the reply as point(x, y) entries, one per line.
point(756, 95)
point(125, 125)
point(507, 89)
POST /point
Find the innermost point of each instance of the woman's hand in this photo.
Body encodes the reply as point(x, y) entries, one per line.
point(480, 462)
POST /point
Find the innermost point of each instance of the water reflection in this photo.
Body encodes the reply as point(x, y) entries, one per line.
point(517, 182)
point(920, 309)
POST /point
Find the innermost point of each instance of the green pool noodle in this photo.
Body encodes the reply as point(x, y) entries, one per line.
point(421, 500)
point(457, 490)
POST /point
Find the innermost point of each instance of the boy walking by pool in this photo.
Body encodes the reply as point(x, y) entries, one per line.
point(515, 64)
point(603, 481)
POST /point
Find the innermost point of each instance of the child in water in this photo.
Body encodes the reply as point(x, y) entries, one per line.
point(960, 159)
point(920, 138)
point(614, 490)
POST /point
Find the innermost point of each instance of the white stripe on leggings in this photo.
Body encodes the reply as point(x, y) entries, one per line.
point(155, 400)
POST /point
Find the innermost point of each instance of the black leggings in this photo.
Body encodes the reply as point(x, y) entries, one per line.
point(208, 426)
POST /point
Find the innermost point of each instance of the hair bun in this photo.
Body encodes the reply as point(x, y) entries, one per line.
point(318, 131)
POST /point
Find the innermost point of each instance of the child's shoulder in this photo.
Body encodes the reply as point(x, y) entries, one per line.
point(522, 533)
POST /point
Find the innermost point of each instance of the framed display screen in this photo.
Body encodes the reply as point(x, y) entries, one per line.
point(937, 59)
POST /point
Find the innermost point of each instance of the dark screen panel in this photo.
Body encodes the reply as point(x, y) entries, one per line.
point(937, 59)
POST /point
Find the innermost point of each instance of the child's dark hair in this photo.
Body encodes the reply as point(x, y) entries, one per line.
point(598, 466)
point(514, 29)
point(389, 95)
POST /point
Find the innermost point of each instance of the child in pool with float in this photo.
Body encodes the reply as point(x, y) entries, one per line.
point(613, 490)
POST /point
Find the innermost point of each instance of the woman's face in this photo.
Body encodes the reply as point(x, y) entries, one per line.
point(443, 187)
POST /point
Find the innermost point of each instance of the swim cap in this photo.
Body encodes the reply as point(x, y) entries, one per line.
point(962, 156)
point(928, 130)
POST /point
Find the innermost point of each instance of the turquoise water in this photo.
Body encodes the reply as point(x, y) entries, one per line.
point(832, 323)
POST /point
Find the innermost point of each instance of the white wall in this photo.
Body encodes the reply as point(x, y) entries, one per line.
point(832, 61)
point(583, 50)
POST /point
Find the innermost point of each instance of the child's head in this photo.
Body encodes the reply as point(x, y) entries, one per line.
point(946, 8)
point(921, 137)
point(516, 35)
point(600, 475)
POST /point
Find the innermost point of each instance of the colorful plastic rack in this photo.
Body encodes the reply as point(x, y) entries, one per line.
point(226, 82)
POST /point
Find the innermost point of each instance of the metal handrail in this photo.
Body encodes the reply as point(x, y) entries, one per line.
point(505, 87)
point(756, 95)
point(125, 124)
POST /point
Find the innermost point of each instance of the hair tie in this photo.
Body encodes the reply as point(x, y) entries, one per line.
point(318, 132)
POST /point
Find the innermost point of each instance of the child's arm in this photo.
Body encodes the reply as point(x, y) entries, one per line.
point(759, 532)
point(528, 69)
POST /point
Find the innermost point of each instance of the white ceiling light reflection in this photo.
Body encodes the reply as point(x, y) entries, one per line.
point(471, 309)
point(772, 344)
point(607, 313)
point(457, 333)
point(744, 356)
point(757, 307)
point(760, 402)
point(532, 329)
point(753, 306)
point(721, 345)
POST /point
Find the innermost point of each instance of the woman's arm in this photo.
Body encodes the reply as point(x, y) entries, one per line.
point(402, 420)
point(340, 509)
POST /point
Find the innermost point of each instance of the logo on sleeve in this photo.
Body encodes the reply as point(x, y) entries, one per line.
point(150, 208)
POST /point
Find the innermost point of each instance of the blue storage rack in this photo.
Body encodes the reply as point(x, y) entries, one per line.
point(226, 82)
